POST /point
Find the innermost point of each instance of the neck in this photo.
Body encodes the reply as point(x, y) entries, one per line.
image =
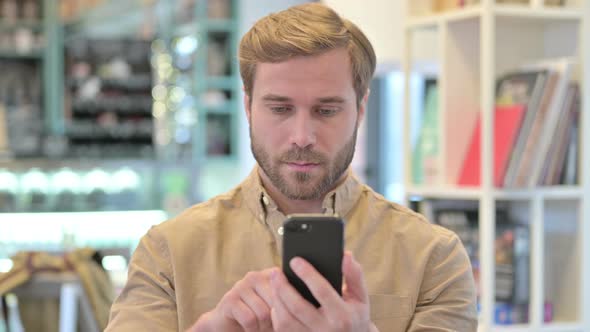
point(289, 206)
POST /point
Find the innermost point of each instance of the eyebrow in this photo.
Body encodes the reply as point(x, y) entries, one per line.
point(332, 100)
point(324, 100)
point(271, 97)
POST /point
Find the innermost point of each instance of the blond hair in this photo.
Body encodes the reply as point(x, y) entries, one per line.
point(307, 29)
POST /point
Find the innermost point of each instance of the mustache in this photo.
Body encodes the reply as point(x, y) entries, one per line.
point(303, 155)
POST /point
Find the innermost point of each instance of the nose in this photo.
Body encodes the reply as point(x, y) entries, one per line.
point(303, 132)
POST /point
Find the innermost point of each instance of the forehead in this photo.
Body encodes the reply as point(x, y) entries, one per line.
point(326, 73)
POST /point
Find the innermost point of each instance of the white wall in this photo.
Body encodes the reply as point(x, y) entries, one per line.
point(381, 21)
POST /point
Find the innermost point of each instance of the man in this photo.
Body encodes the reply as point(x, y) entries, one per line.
point(306, 73)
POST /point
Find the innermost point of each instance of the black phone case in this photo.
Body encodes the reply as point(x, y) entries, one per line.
point(321, 244)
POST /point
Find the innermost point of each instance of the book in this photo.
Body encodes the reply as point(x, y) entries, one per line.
point(534, 129)
point(459, 124)
point(510, 314)
point(570, 173)
point(555, 158)
point(425, 159)
point(465, 224)
point(531, 175)
point(568, 140)
point(4, 147)
point(526, 88)
point(519, 87)
point(445, 5)
point(507, 123)
point(511, 249)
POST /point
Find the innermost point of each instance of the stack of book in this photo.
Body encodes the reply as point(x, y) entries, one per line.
point(511, 249)
point(535, 129)
point(535, 132)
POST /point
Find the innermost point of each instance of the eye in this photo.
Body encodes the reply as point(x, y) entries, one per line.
point(280, 109)
point(326, 111)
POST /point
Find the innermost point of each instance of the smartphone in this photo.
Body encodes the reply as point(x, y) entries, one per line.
point(319, 239)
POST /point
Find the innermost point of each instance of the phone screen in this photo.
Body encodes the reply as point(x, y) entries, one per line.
point(319, 239)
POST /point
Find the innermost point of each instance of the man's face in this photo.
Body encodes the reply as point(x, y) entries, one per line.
point(303, 122)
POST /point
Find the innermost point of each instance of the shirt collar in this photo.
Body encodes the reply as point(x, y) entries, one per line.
point(340, 200)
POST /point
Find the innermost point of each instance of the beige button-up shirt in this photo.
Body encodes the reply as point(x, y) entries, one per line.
point(418, 274)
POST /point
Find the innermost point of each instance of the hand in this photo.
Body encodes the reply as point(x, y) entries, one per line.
point(245, 307)
point(291, 312)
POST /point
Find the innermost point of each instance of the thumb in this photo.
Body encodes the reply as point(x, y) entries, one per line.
point(354, 281)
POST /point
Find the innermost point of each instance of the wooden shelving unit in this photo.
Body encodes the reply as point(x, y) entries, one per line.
point(466, 50)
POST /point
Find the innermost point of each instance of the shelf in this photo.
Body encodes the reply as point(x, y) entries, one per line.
point(221, 82)
point(474, 193)
point(216, 25)
point(34, 25)
point(512, 328)
point(111, 135)
point(431, 21)
point(118, 104)
point(133, 83)
point(137, 82)
point(444, 192)
point(220, 25)
point(220, 160)
point(20, 164)
point(561, 327)
point(85, 226)
point(549, 13)
point(186, 29)
point(108, 18)
point(556, 192)
point(35, 55)
point(473, 48)
point(106, 11)
point(500, 10)
point(555, 327)
point(225, 108)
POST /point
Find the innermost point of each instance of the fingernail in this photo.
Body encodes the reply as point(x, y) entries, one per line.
point(295, 264)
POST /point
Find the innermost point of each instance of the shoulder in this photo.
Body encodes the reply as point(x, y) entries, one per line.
point(402, 220)
point(201, 218)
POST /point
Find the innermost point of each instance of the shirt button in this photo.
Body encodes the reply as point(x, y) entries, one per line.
point(280, 230)
point(265, 200)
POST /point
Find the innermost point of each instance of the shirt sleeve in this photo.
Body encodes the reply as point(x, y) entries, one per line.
point(148, 300)
point(447, 300)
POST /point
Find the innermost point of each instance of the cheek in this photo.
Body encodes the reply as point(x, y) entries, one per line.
point(268, 133)
point(339, 135)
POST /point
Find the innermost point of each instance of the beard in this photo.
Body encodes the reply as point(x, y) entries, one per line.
point(304, 185)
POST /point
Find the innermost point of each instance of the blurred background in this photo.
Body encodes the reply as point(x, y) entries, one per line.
point(118, 115)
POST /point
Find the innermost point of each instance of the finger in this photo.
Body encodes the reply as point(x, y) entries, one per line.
point(274, 319)
point(282, 318)
point(321, 289)
point(355, 282)
point(264, 290)
point(297, 306)
point(259, 283)
point(258, 306)
point(244, 316)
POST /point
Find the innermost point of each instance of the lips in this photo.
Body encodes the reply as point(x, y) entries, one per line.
point(301, 163)
point(302, 166)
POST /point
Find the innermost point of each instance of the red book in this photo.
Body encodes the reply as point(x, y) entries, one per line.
point(507, 122)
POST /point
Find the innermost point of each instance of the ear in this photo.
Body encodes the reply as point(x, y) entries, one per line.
point(247, 107)
point(363, 107)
